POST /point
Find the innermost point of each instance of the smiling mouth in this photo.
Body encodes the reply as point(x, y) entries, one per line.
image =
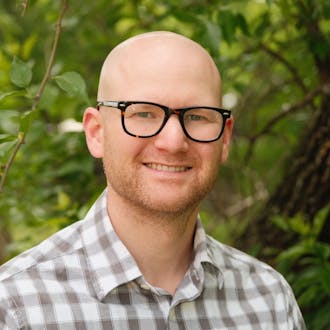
point(167, 168)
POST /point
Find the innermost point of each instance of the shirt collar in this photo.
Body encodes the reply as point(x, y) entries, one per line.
point(109, 261)
point(204, 254)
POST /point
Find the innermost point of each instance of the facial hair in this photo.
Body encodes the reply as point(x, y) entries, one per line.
point(132, 190)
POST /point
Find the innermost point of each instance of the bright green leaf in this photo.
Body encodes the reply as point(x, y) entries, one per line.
point(320, 220)
point(8, 121)
point(48, 97)
point(63, 200)
point(293, 253)
point(6, 138)
point(5, 148)
point(25, 121)
point(213, 35)
point(73, 84)
point(20, 73)
point(4, 95)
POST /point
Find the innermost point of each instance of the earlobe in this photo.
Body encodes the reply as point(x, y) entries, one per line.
point(226, 139)
point(93, 131)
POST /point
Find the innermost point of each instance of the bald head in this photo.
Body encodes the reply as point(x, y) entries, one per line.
point(161, 67)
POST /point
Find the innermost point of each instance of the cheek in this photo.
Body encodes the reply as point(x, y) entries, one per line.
point(212, 155)
point(121, 148)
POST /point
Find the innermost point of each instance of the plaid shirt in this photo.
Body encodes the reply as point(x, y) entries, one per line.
point(83, 277)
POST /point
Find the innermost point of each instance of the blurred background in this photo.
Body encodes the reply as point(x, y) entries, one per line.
point(272, 196)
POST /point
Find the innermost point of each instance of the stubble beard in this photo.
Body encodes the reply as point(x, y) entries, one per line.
point(136, 195)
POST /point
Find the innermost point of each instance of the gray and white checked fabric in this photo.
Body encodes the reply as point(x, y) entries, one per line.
point(83, 277)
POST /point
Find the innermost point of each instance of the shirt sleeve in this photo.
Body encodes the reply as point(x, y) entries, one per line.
point(295, 318)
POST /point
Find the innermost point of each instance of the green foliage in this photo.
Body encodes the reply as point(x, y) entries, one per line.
point(73, 84)
point(265, 53)
point(20, 73)
point(43, 161)
point(306, 265)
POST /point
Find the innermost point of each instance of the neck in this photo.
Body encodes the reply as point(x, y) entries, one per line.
point(161, 243)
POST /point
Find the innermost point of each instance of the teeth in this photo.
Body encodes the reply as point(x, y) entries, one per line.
point(165, 168)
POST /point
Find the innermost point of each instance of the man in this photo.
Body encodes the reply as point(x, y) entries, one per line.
point(141, 259)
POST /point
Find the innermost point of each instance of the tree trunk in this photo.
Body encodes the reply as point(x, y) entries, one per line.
point(4, 241)
point(305, 187)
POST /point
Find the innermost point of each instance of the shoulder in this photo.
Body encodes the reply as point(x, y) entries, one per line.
point(243, 270)
point(246, 281)
point(227, 257)
point(56, 246)
point(37, 273)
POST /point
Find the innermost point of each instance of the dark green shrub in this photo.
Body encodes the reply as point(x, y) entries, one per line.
point(306, 265)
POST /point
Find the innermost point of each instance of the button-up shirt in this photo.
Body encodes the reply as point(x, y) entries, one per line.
point(83, 277)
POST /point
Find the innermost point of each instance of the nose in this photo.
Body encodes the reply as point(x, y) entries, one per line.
point(172, 138)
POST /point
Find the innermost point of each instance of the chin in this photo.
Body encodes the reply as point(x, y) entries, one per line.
point(172, 207)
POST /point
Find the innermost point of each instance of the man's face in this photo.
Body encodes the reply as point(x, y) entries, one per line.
point(167, 172)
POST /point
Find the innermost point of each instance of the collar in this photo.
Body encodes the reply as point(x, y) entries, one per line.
point(111, 264)
point(205, 258)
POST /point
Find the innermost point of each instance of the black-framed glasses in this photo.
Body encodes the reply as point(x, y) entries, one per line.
point(146, 119)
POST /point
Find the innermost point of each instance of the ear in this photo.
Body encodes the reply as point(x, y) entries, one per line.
point(226, 138)
point(93, 127)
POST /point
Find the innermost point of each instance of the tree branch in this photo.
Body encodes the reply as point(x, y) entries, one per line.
point(47, 74)
point(18, 145)
point(287, 64)
point(24, 4)
point(308, 99)
point(46, 77)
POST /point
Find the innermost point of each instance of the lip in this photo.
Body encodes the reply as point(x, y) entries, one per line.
point(168, 168)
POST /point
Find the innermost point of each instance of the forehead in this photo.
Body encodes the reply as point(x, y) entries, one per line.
point(159, 65)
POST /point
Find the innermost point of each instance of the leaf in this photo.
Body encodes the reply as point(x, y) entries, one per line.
point(183, 15)
point(48, 97)
point(262, 24)
point(63, 200)
point(8, 121)
point(325, 278)
point(73, 84)
point(320, 220)
point(299, 225)
point(242, 24)
point(25, 121)
point(293, 253)
point(281, 222)
point(310, 294)
point(7, 138)
point(228, 22)
point(5, 147)
point(4, 95)
point(213, 35)
point(20, 73)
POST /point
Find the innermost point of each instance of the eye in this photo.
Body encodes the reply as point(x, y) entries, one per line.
point(144, 114)
point(196, 117)
point(203, 116)
point(193, 117)
point(142, 111)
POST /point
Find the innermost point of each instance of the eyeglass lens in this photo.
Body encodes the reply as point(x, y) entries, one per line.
point(200, 123)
